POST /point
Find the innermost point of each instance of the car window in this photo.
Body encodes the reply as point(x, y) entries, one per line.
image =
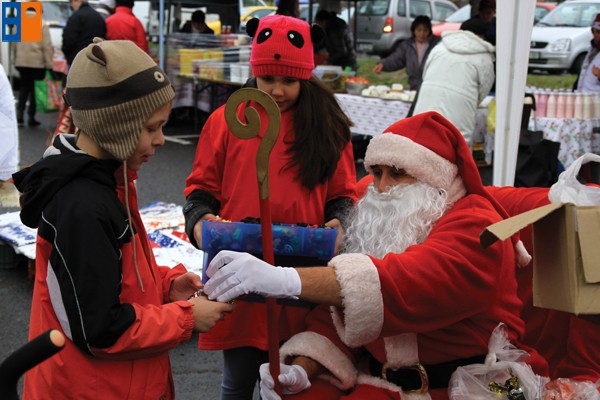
point(540, 12)
point(442, 11)
point(254, 3)
point(401, 8)
point(461, 15)
point(56, 13)
point(373, 7)
point(420, 8)
point(261, 13)
point(571, 14)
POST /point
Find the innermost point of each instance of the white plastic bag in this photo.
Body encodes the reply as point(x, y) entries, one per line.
point(503, 362)
point(569, 190)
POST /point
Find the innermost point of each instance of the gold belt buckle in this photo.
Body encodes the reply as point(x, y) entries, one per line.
point(422, 374)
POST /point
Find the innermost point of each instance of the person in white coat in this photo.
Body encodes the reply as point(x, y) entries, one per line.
point(9, 133)
point(458, 75)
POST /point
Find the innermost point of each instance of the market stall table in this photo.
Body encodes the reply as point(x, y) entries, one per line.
point(206, 95)
point(371, 116)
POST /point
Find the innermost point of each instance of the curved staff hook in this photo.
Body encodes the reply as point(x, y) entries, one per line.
point(248, 131)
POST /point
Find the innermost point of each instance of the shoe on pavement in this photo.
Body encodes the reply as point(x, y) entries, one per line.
point(34, 122)
point(20, 122)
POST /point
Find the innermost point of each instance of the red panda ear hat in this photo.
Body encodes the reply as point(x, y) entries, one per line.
point(283, 46)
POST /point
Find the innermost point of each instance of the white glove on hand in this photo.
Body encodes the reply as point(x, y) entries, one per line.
point(293, 379)
point(233, 274)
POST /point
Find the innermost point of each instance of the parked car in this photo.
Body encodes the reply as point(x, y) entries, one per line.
point(560, 40)
point(453, 22)
point(255, 12)
point(383, 24)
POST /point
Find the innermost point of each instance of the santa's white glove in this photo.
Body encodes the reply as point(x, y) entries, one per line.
point(233, 274)
point(293, 379)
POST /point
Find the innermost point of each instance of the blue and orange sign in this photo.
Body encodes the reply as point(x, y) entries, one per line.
point(21, 22)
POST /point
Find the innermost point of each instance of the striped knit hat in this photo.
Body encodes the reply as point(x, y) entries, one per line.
point(113, 87)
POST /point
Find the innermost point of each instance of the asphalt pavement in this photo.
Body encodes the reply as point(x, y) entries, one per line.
point(197, 373)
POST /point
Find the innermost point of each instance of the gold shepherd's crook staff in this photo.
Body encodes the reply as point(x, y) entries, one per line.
point(247, 131)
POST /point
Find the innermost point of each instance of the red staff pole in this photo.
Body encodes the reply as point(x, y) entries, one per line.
point(247, 131)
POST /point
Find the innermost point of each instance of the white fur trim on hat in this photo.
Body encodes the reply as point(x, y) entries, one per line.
point(417, 160)
point(323, 351)
point(362, 301)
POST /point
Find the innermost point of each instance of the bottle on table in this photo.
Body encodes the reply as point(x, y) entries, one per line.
point(578, 106)
point(569, 105)
point(587, 105)
point(541, 100)
point(560, 105)
point(551, 105)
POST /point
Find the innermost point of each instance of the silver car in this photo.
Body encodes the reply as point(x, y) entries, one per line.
point(382, 24)
point(560, 40)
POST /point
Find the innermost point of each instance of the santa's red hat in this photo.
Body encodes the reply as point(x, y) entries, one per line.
point(432, 150)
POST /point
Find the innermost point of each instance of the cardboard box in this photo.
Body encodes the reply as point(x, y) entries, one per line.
point(566, 255)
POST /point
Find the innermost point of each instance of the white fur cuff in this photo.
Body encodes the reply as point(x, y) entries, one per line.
point(361, 299)
point(322, 350)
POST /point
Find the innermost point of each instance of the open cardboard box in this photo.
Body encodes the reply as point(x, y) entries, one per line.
point(566, 255)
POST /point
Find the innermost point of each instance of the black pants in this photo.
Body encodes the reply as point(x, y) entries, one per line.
point(26, 91)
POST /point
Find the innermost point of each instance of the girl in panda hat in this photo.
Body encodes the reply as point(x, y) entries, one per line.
point(312, 178)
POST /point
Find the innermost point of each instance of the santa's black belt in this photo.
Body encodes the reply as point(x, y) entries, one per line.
point(420, 377)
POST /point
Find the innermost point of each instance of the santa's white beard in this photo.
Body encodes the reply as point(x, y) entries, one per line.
point(391, 221)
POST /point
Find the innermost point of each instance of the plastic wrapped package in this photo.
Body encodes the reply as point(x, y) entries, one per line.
point(567, 389)
point(504, 375)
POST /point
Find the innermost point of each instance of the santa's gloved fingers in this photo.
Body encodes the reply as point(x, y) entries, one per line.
point(222, 258)
point(267, 385)
point(217, 280)
point(293, 379)
point(224, 291)
point(265, 375)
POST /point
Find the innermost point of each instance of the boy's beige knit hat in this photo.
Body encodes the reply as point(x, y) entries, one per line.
point(113, 87)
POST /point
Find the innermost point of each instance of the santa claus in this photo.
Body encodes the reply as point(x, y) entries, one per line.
point(414, 296)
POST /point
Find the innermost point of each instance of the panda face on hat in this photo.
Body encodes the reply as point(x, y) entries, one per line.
point(283, 46)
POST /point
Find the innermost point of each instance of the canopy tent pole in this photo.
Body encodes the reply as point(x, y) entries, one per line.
point(161, 34)
point(512, 57)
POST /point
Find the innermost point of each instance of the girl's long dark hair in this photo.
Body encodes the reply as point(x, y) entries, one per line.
point(322, 130)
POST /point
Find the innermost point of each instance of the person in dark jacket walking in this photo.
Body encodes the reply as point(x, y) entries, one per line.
point(412, 53)
point(338, 42)
point(82, 27)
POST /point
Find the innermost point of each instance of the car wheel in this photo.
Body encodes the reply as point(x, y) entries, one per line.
point(576, 67)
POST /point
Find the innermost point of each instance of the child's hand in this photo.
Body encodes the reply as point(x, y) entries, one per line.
point(335, 223)
point(184, 286)
point(198, 227)
point(207, 313)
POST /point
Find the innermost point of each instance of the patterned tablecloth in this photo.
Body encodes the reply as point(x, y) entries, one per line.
point(371, 115)
point(576, 136)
